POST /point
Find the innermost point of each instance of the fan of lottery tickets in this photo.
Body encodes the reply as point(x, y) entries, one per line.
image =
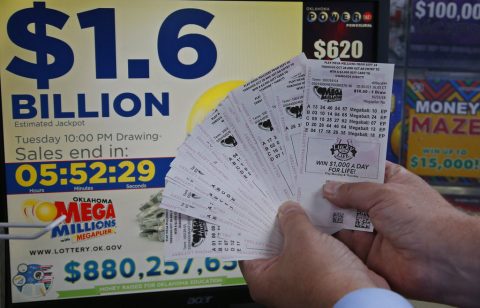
point(279, 137)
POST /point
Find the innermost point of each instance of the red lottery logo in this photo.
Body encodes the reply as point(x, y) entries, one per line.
point(367, 17)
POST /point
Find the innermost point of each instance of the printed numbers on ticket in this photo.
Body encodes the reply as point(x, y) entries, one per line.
point(344, 137)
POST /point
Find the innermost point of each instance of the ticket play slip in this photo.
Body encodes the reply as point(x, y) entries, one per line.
point(279, 137)
point(285, 105)
point(344, 138)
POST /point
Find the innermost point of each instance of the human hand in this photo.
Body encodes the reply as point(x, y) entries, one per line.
point(424, 247)
point(313, 270)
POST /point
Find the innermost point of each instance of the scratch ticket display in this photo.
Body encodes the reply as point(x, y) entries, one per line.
point(279, 137)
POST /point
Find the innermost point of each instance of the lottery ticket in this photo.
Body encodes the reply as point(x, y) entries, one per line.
point(345, 128)
point(187, 202)
point(180, 203)
point(215, 133)
point(216, 178)
point(285, 104)
point(232, 117)
point(221, 199)
point(201, 180)
point(228, 225)
point(280, 168)
point(187, 237)
point(249, 119)
point(279, 137)
point(230, 168)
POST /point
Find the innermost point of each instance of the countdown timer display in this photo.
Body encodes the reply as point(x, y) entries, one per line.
point(41, 177)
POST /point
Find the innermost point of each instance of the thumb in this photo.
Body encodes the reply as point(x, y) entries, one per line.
point(361, 196)
point(294, 224)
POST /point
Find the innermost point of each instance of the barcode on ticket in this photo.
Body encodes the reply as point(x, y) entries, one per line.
point(337, 217)
point(362, 220)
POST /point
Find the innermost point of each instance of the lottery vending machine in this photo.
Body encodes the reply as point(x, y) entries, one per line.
point(95, 99)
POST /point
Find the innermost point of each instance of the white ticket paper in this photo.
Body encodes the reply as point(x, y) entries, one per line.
point(251, 123)
point(345, 127)
point(279, 137)
point(187, 237)
point(285, 105)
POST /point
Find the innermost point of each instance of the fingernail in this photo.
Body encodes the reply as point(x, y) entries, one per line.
point(287, 207)
point(330, 188)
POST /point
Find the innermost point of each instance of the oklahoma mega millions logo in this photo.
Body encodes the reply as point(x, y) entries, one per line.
point(86, 217)
point(343, 151)
point(328, 94)
point(229, 142)
point(295, 111)
point(199, 230)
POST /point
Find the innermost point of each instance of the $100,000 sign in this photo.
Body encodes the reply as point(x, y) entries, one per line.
point(95, 100)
